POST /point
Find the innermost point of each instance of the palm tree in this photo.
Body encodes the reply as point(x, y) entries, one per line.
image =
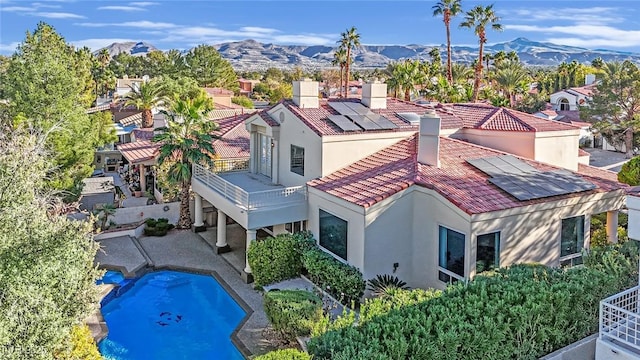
point(145, 97)
point(405, 76)
point(511, 78)
point(461, 73)
point(448, 9)
point(340, 59)
point(104, 57)
point(350, 40)
point(479, 18)
point(186, 140)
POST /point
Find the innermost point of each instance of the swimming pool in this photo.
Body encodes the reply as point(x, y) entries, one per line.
point(171, 315)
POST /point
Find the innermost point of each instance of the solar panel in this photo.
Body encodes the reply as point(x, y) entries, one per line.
point(381, 121)
point(358, 108)
point(505, 164)
point(344, 123)
point(364, 123)
point(341, 108)
point(538, 185)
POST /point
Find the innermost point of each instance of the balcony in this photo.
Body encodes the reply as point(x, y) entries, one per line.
point(250, 199)
point(620, 325)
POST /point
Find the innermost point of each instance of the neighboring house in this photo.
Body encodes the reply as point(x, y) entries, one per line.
point(633, 204)
point(572, 117)
point(430, 198)
point(573, 98)
point(124, 85)
point(221, 97)
point(97, 191)
point(246, 86)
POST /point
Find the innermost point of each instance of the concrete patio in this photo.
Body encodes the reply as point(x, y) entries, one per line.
point(185, 250)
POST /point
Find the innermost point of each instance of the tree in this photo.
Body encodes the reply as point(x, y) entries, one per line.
point(49, 85)
point(186, 140)
point(340, 59)
point(615, 105)
point(436, 61)
point(145, 97)
point(532, 103)
point(405, 76)
point(349, 41)
point(511, 78)
point(630, 172)
point(478, 19)
point(47, 274)
point(282, 91)
point(448, 9)
point(243, 101)
point(205, 64)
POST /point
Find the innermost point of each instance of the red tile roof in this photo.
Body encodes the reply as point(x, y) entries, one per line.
point(586, 90)
point(103, 107)
point(135, 119)
point(139, 151)
point(581, 152)
point(396, 168)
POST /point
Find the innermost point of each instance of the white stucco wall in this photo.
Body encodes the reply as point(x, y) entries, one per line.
point(555, 99)
point(513, 142)
point(559, 148)
point(633, 203)
point(135, 214)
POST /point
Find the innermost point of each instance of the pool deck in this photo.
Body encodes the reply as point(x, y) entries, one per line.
point(187, 251)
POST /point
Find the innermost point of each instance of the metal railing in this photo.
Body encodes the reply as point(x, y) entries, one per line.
point(620, 318)
point(250, 200)
point(230, 165)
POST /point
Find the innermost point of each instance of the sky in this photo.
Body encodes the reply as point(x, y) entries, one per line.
point(183, 24)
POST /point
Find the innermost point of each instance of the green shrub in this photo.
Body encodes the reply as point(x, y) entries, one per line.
point(292, 312)
point(278, 258)
point(243, 101)
point(342, 281)
point(286, 354)
point(82, 346)
point(630, 172)
point(521, 312)
point(158, 227)
point(382, 285)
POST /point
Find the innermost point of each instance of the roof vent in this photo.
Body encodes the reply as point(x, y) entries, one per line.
point(412, 118)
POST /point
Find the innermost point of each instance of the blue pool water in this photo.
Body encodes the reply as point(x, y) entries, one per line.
point(172, 315)
point(111, 277)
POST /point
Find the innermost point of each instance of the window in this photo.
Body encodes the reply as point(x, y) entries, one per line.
point(333, 234)
point(564, 105)
point(296, 226)
point(451, 255)
point(297, 160)
point(488, 252)
point(572, 241)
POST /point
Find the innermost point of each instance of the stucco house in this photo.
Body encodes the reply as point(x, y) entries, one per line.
point(430, 194)
point(573, 98)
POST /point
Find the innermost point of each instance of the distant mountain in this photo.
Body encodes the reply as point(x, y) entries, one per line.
point(254, 55)
point(131, 48)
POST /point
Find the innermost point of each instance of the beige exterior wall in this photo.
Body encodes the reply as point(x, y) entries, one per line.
point(559, 148)
point(633, 203)
point(512, 142)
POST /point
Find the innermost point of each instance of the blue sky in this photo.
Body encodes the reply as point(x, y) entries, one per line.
point(183, 24)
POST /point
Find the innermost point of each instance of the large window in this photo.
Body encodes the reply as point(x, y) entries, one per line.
point(297, 160)
point(488, 252)
point(333, 234)
point(572, 241)
point(451, 255)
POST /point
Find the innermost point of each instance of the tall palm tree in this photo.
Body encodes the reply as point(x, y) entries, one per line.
point(478, 19)
point(186, 140)
point(511, 78)
point(349, 41)
point(448, 9)
point(461, 73)
point(405, 76)
point(104, 57)
point(145, 97)
point(340, 59)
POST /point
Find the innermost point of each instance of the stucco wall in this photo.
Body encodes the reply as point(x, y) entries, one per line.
point(555, 98)
point(633, 203)
point(512, 142)
point(134, 214)
point(90, 201)
point(559, 148)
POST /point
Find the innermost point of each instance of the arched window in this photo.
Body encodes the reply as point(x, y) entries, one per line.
point(564, 104)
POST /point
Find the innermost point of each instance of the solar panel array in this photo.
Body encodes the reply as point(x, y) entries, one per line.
point(524, 182)
point(355, 117)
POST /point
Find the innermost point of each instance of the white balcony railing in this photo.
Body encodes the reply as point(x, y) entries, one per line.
point(253, 200)
point(620, 318)
point(229, 165)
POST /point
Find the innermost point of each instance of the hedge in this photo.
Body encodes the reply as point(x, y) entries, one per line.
point(292, 312)
point(158, 227)
point(278, 258)
point(342, 281)
point(285, 354)
point(521, 312)
point(82, 346)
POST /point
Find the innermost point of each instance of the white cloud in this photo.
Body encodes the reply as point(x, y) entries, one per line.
point(42, 5)
point(16, 8)
point(57, 15)
point(143, 3)
point(584, 35)
point(593, 15)
point(121, 8)
point(95, 44)
point(133, 24)
point(8, 48)
point(258, 29)
point(208, 35)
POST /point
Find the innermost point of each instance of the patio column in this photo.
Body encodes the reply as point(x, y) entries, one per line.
point(612, 226)
point(198, 225)
point(246, 275)
point(221, 238)
point(143, 178)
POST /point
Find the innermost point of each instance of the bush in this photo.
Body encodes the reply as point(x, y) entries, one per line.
point(278, 258)
point(383, 285)
point(521, 312)
point(158, 227)
point(292, 312)
point(286, 354)
point(630, 172)
point(243, 101)
point(82, 346)
point(342, 281)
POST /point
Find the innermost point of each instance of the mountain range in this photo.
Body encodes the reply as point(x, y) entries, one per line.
point(254, 55)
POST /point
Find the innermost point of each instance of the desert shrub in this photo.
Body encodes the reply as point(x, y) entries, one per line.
point(278, 258)
point(82, 346)
point(243, 101)
point(342, 281)
point(285, 354)
point(521, 312)
point(292, 312)
point(158, 227)
point(381, 285)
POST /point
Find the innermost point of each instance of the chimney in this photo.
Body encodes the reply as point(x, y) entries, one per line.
point(429, 140)
point(589, 79)
point(374, 95)
point(305, 94)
